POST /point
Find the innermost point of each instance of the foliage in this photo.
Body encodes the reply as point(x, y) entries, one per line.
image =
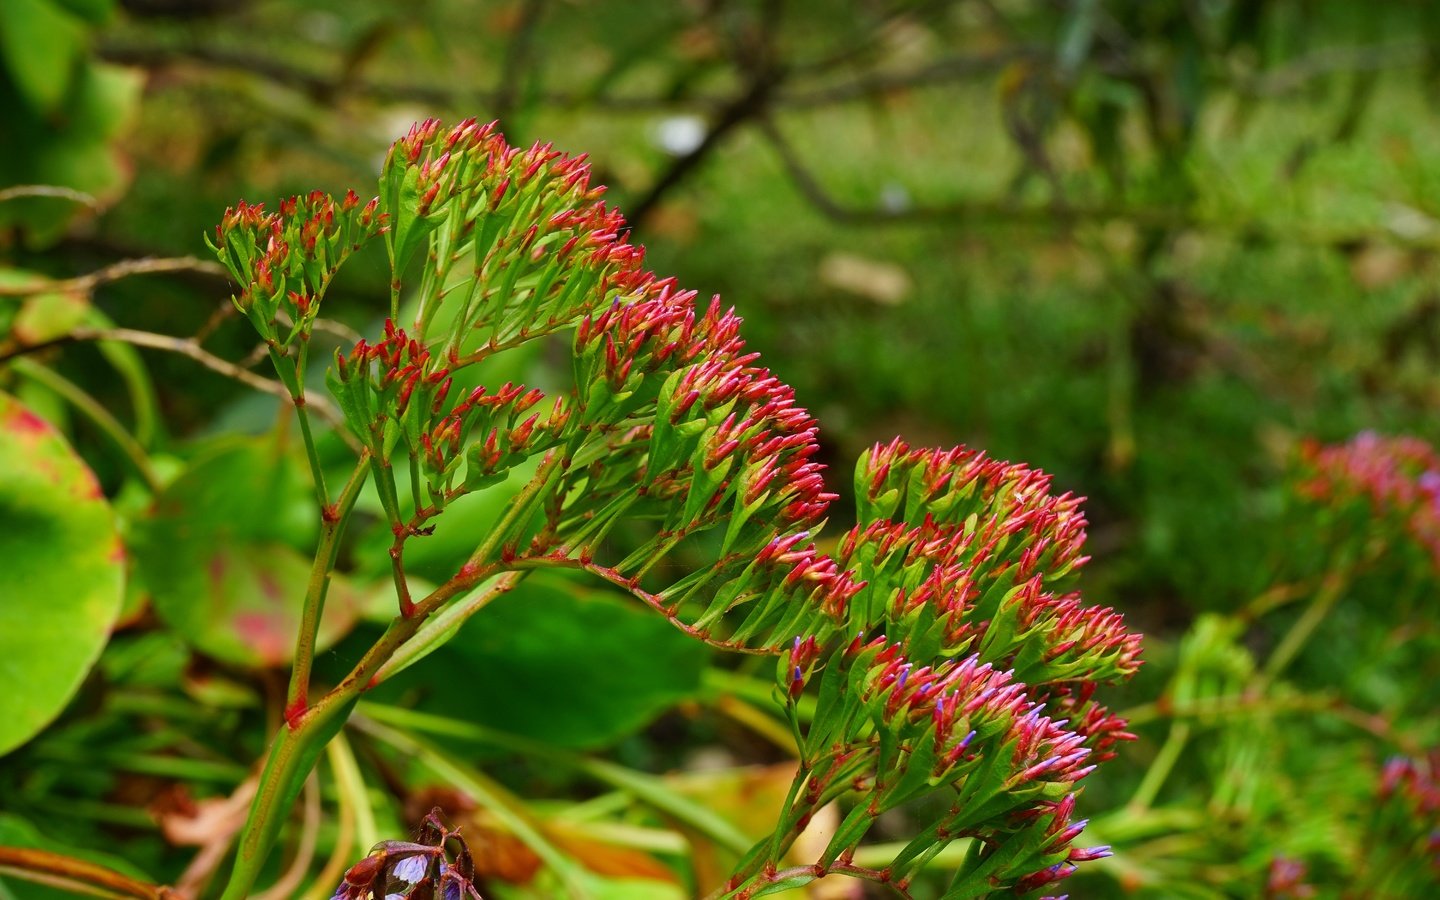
point(68, 106)
point(1179, 255)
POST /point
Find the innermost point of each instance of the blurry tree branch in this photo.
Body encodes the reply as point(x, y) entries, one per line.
point(870, 84)
point(84, 284)
point(753, 53)
point(976, 212)
point(1296, 74)
point(18, 191)
point(185, 347)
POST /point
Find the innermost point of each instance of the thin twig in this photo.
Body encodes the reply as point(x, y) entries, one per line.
point(84, 284)
point(76, 875)
point(49, 190)
point(189, 347)
point(974, 213)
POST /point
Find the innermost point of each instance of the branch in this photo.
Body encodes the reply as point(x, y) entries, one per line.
point(1294, 75)
point(761, 77)
point(44, 867)
point(49, 190)
point(84, 284)
point(631, 586)
point(318, 84)
point(191, 348)
point(976, 213)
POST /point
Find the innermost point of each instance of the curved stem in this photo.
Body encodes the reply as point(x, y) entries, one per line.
point(294, 381)
point(76, 875)
point(306, 732)
point(439, 627)
point(1295, 639)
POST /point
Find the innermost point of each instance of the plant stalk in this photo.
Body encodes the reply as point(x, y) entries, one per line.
point(332, 528)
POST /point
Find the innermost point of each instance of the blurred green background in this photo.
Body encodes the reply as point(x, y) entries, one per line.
point(1145, 245)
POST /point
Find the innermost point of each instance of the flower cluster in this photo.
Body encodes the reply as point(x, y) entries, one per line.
point(1403, 838)
point(943, 649)
point(1395, 478)
point(284, 260)
point(982, 679)
point(520, 237)
point(694, 435)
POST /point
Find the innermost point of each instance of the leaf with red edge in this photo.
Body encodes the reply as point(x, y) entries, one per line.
point(218, 555)
point(64, 572)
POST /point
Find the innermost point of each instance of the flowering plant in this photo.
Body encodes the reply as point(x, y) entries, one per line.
point(934, 660)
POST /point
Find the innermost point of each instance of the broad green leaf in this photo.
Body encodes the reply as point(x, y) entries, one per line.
point(242, 603)
point(219, 556)
point(41, 43)
point(72, 149)
point(46, 316)
point(555, 661)
point(64, 570)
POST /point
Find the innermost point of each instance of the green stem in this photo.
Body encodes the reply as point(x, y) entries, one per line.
point(99, 416)
point(1160, 769)
point(1295, 639)
point(294, 381)
point(292, 756)
point(439, 628)
point(518, 511)
point(390, 502)
point(332, 528)
point(303, 737)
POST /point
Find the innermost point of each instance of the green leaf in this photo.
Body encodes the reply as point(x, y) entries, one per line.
point(64, 573)
point(557, 662)
point(40, 44)
point(96, 12)
point(218, 554)
point(46, 316)
point(243, 604)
